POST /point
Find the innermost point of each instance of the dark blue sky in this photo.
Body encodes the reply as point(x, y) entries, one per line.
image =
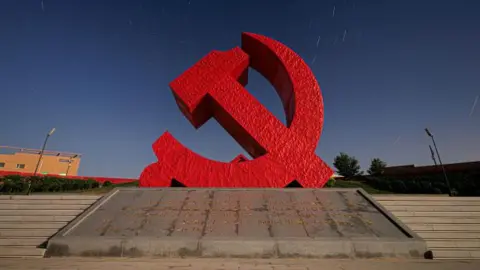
point(99, 70)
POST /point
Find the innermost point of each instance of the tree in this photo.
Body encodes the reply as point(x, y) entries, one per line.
point(377, 167)
point(346, 165)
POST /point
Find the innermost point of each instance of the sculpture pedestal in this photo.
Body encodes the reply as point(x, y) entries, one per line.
point(182, 222)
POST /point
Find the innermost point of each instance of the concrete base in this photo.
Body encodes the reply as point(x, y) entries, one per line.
point(242, 223)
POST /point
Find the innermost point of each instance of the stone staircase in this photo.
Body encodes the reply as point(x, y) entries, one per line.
point(450, 225)
point(27, 222)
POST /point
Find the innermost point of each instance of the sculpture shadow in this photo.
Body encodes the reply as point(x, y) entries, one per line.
point(176, 183)
point(293, 184)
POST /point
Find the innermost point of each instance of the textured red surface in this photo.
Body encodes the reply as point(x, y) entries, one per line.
point(214, 87)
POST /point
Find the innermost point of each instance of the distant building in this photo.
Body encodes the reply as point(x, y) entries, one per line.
point(23, 160)
point(337, 176)
point(464, 167)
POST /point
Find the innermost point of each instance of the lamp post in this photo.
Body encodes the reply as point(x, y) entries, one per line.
point(440, 161)
point(433, 155)
point(40, 157)
point(68, 167)
point(43, 149)
point(70, 163)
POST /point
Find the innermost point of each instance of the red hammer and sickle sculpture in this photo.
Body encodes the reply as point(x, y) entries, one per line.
point(214, 87)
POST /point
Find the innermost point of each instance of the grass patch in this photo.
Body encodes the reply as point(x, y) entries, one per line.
point(105, 188)
point(337, 184)
point(358, 184)
point(18, 185)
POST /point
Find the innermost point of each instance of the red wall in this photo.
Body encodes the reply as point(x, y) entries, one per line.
point(98, 179)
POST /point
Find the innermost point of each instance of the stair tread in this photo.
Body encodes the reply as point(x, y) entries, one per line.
point(458, 253)
point(84, 203)
point(28, 232)
point(42, 207)
point(30, 225)
point(11, 251)
point(22, 241)
point(50, 197)
point(40, 212)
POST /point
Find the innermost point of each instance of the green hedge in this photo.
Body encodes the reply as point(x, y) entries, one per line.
point(355, 184)
point(461, 184)
point(19, 184)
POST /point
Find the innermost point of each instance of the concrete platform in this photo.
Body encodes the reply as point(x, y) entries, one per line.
point(230, 264)
point(242, 223)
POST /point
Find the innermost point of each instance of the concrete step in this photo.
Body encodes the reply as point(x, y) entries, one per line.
point(431, 203)
point(451, 254)
point(35, 218)
point(397, 197)
point(30, 225)
point(22, 241)
point(27, 232)
point(448, 235)
point(52, 202)
point(27, 222)
point(435, 214)
point(440, 220)
point(439, 208)
point(40, 212)
point(440, 227)
point(450, 225)
point(462, 243)
point(40, 205)
point(16, 252)
point(50, 197)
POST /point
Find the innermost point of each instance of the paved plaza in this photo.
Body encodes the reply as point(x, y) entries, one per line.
point(229, 264)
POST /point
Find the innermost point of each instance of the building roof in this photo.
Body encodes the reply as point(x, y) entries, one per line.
point(13, 150)
point(412, 169)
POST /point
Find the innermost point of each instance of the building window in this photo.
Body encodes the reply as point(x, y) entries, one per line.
point(20, 166)
point(2, 164)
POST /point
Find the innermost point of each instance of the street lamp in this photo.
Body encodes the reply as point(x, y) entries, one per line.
point(440, 161)
point(433, 155)
point(70, 163)
point(40, 157)
point(68, 167)
point(43, 149)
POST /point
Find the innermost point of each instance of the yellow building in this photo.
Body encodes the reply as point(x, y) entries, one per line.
point(25, 160)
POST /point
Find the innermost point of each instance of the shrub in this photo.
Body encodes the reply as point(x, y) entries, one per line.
point(128, 184)
point(377, 166)
point(399, 186)
point(412, 186)
point(385, 185)
point(426, 187)
point(330, 183)
point(440, 186)
point(20, 184)
point(107, 184)
point(90, 184)
point(346, 165)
